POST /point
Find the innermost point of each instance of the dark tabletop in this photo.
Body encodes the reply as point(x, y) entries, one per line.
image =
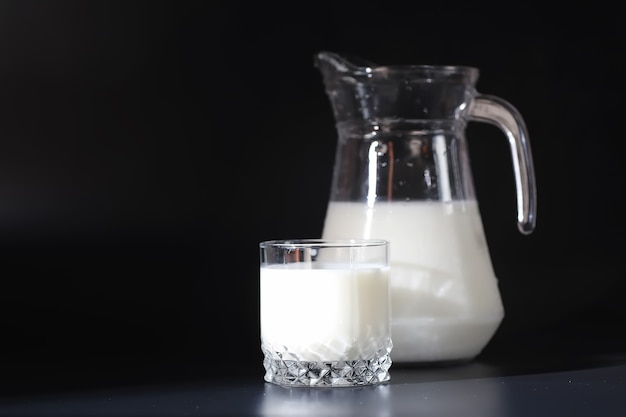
point(594, 386)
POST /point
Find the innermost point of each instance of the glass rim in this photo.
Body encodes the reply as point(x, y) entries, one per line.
point(323, 243)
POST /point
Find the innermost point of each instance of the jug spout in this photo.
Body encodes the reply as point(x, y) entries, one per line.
point(346, 82)
point(332, 65)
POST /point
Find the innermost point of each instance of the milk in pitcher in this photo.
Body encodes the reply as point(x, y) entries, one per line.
point(445, 302)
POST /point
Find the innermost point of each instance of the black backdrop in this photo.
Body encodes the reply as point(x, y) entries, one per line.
point(146, 149)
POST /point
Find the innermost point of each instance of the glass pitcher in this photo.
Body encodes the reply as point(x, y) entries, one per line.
point(402, 173)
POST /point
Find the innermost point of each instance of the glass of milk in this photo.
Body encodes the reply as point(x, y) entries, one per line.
point(325, 312)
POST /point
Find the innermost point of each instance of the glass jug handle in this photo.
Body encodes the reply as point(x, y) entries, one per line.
point(499, 112)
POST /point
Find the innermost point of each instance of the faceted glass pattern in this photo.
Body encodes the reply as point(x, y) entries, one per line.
point(288, 371)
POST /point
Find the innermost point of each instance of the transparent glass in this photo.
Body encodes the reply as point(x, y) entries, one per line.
point(402, 173)
point(325, 312)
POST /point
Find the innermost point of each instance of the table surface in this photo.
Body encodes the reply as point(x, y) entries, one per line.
point(595, 387)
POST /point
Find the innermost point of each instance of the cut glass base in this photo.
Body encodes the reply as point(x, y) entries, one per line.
point(294, 373)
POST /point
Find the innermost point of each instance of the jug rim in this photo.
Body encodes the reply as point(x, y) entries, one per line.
point(357, 66)
point(430, 70)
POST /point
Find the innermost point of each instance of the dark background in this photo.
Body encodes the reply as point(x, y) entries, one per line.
point(147, 147)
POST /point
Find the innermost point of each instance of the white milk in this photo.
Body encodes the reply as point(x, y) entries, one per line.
point(445, 300)
point(325, 314)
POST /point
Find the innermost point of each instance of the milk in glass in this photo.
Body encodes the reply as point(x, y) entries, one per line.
point(325, 313)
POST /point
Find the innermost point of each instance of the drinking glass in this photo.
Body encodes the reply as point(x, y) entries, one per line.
point(325, 312)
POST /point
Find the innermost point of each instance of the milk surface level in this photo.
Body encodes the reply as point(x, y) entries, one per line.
point(445, 300)
point(330, 313)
